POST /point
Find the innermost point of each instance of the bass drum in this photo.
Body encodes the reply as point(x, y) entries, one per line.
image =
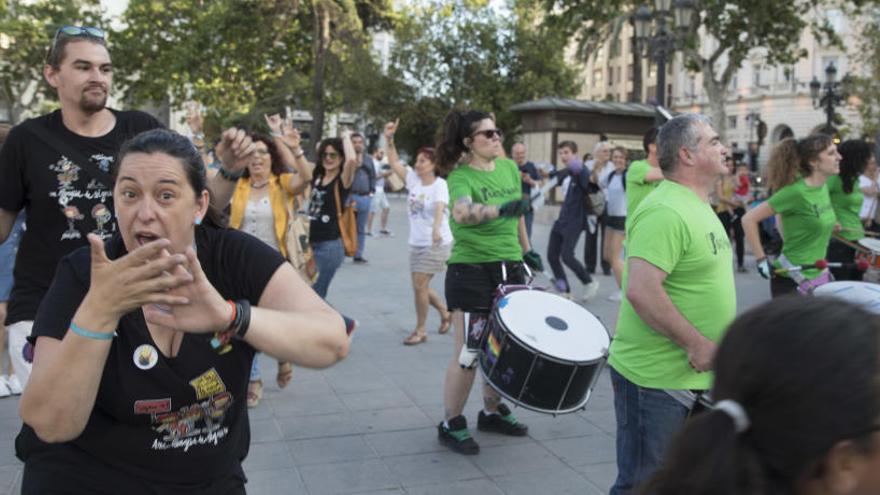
point(542, 351)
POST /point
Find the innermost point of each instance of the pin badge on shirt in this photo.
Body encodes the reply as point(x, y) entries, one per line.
point(145, 356)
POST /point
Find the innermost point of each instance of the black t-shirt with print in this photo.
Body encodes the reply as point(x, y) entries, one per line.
point(175, 421)
point(324, 225)
point(63, 202)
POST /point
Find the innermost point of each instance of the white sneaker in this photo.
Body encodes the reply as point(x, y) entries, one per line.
point(615, 296)
point(4, 389)
point(14, 384)
point(591, 289)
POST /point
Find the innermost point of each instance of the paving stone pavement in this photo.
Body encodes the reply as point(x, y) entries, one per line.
point(368, 424)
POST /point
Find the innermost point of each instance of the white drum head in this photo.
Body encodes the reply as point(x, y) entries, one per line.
point(872, 244)
point(554, 325)
point(865, 294)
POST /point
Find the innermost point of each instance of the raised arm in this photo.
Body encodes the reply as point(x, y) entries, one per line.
point(391, 150)
point(287, 141)
point(234, 150)
point(351, 160)
point(654, 174)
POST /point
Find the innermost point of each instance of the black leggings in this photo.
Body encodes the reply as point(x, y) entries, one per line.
point(734, 223)
point(561, 244)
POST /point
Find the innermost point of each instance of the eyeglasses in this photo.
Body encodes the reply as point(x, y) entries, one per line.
point(78, 32)
point(261, 151)
point(489, 133)
point(331, 155)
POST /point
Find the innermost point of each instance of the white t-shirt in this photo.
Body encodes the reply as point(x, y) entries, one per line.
point(380, 181)
point(869, 204)
point(615, 194)
point(420, 204)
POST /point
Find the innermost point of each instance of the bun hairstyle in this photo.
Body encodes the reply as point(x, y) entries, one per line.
point(457, 126)
point(806, 374)
point(790, 159)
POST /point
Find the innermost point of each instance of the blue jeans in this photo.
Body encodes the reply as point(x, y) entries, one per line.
point(328, 257)
point(255, 368)
point(529, 217)
point(647, 419)
point(362, 207)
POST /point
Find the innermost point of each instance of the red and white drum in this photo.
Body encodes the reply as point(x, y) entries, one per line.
point(864, 294)
point(542, 351)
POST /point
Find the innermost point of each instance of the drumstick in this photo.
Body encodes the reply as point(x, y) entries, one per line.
point(861, 265)
point(869, 233)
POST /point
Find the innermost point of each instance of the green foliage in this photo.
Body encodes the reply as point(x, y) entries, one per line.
point(236, 57)
point(461, 53)
point(28, 27)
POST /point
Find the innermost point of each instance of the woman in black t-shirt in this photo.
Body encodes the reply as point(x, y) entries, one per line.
point(144, 345)
point(332, 178)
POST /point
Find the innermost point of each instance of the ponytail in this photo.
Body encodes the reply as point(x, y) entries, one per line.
point(791, 158)
point(710, 459)
point(457, 126)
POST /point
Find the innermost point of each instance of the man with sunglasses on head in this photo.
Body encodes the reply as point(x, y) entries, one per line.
point(57, 167)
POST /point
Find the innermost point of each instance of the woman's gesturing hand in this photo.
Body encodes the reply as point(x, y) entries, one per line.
point(144, 276)
point(205, 310)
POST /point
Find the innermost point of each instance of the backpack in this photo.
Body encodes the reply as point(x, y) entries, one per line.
point(296, 240)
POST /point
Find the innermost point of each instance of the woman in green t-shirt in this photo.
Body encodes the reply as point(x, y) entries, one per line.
point(798, 173)
point(847, 198)
point(489, 239)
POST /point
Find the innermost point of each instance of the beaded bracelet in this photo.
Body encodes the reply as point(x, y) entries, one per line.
point(238, 326)
point(230, 176)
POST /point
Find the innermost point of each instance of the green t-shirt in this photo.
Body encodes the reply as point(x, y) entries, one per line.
point(847, 208)
point(497, 239)
point(679, 233)
point(807, 222)
point(636, 187)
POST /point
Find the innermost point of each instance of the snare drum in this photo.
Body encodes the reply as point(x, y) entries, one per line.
point(542, 351)
point(865, 294)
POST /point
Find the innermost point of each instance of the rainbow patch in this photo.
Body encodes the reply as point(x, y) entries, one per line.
point(494, 346)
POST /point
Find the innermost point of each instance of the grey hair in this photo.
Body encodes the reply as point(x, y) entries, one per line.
point(680, 132)
point(599, 146)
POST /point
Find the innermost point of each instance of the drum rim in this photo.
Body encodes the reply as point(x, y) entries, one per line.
point(520, 341)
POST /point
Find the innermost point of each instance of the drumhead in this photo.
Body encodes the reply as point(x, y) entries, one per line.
point(553, 325)
point(872, 244)
point(864, 294)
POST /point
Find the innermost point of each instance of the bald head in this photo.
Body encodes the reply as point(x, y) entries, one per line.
point(518, 153)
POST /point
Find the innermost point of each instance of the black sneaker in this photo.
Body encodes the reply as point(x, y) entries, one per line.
point(504, 422)
point(457, 437)
point(358, 260)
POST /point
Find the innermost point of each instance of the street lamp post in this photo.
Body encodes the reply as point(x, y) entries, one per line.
point(827, 96)
point(662, 43)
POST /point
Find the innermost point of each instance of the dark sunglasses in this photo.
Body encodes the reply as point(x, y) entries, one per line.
point(331, 155)
point(489, 133)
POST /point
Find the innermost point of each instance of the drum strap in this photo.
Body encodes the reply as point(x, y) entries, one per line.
point(693, 400)
point(857, 247)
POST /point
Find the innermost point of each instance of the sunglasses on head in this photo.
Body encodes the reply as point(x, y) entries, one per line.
point(78, 32)
point(489, 133)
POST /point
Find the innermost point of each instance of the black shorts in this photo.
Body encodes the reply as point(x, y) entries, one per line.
point(470, 287)
point(616, 223)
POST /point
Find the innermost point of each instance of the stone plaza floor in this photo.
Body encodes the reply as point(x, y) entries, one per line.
point(368, 424)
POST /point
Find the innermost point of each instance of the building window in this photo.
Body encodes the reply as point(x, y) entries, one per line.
point(610, 76)
point(756, 75)
point(651, 93)
point(616, 46)
point(731, 122)
point(652, 70)
point(629, 72)
point(597, 78)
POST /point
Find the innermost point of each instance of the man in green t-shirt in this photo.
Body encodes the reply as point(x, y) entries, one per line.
point(680, 296)
point(643, 176)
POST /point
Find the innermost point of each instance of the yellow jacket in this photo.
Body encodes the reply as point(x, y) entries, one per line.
point(279, 192)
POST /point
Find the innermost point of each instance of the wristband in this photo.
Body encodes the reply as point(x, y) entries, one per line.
point(82, 332)
point(230, 176)
point(243, 310)
point(300, 154)
point(277, 134)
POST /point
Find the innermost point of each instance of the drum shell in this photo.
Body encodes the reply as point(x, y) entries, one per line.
point(532, 379)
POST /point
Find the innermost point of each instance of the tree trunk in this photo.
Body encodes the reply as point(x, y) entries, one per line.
point(637, 70)
point(321, 44)
point(717, 93)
